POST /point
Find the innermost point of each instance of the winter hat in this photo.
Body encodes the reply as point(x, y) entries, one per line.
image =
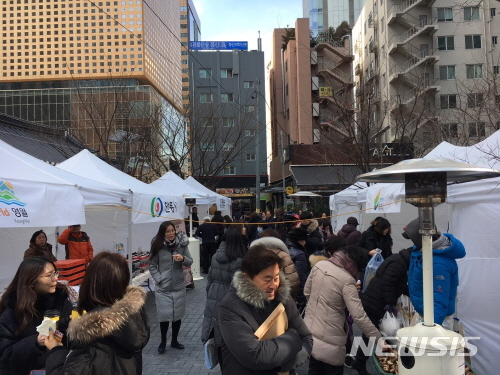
point(271, 243)
point(411, 232)
point(306, 215)
point(297, 234)
point(352, 220)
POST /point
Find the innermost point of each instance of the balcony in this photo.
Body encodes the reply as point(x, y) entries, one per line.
point(399, 9)
point(373, 45)
point(372, 19)
point(410, 96)
point(358, 71)
point(421, 58)
point(329, 69)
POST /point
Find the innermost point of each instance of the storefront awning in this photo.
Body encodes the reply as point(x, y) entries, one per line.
point(324, 176)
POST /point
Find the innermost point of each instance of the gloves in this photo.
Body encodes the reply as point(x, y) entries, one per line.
point(390, 308)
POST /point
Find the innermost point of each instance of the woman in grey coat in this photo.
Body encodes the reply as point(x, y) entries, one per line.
point(169, 252)
point(225, 262)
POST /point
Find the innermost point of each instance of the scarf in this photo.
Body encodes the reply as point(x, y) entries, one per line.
point(171, 244)
point(340, 259)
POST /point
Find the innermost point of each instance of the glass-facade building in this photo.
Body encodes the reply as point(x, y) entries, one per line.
point(323, 14)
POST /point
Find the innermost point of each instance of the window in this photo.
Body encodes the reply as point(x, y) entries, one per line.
point(228, 122)
point(493, 12)
point(249, 108)
point(229, 170)
point(494, 40)
point(445, 14)
point(477, 129)
point(447, 72)
point(471, 13)
point(446, 43)
point(474, 71)
point(496, 69)
point(448, 101)
point(207, 146)
point(474, 100)
point(472, 41)
point(226, 98)
point(205, 98)
point(450, 130)
point(228, 146)
point(248, 84)
point(249, 133)
point(207, 122)
point(205, 73)
point(250, 157)
point(226, 73)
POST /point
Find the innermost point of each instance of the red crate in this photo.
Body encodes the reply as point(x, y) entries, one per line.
point(67, 264)
point(70, 271)
point(72, 278)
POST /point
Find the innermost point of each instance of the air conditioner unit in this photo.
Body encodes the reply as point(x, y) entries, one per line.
point(315, 110)
point(314, 57)
point(314, 83)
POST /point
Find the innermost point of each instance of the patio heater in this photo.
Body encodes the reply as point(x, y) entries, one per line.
point(194, 244)
point(305, 197)
point(426, 187)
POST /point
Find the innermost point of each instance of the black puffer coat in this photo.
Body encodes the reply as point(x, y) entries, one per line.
point(299, 258)
point(106, 340)
point(389, 282)
point(20, 353)
point(314, 241)
point(350, 233)
point(370, 240)
point(241, 313)
point(220, 276)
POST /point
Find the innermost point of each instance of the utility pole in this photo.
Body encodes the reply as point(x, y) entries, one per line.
point(257, 149)
point(282, 149)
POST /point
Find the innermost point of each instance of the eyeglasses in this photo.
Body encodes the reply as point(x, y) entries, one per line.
point(53, 275)
point(170, 231)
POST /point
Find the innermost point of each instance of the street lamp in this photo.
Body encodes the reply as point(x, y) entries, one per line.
point(425, 187)
point(305, 197)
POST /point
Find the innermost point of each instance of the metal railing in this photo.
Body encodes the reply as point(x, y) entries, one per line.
point(327, 39)
point(330, 66)
point(411, 62)
point(413, 31)
point(406, 5)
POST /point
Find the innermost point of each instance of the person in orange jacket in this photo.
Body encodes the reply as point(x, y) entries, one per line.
point(77, 243)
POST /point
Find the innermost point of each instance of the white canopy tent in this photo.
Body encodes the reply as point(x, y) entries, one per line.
point(346, 203)
point(51, 198)
point(150, 205)
point(223, 203)
point(471, 213)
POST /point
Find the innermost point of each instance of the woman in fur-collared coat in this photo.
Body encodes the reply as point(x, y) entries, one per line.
point(109, 338)
point(256, 291)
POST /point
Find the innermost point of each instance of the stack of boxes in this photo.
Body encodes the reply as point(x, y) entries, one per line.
point(71, 270)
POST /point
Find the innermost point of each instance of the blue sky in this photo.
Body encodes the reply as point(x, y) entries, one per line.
point(240, 20)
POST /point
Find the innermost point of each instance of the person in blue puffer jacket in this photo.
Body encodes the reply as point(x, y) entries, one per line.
point(445, 250)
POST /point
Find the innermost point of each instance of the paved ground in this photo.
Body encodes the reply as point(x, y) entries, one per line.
point(191, 359)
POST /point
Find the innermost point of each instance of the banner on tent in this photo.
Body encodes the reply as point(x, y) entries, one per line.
point(149, 209)
point(378, 199)
point(22, 204)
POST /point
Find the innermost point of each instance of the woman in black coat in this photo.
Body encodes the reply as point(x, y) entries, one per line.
point(257, 290)
point(110, 336)
point(225, 263)
point(32, 292)
point(377, 236)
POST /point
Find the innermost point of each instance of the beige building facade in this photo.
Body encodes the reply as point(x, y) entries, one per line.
point(432, 68)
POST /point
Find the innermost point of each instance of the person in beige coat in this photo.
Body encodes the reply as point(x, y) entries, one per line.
point(330, 289)
point(270, 238)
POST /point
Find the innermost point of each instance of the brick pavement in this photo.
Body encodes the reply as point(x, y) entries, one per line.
point(189, 361)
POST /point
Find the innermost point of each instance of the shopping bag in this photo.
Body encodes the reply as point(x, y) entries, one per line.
point(371, 269)
point(211, 359)
point(389, 325)
point(188, 277)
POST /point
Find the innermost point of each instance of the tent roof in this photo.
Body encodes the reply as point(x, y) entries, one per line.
point(191, 181)
point(90, 166)
point(17, 164)
point(175, 185)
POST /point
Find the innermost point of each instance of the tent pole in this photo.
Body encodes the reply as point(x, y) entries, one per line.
point(129, 242)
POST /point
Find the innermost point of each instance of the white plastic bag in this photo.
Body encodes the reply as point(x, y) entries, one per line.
point(389, 325)
point(371, 269)
point(211, 359)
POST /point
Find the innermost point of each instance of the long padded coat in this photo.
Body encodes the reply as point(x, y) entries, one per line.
point(169, 279)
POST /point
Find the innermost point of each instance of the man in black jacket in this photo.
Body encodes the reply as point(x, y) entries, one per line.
point(207, 232)
point(314, 241)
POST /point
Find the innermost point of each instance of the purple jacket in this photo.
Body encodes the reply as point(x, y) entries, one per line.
point(350, 233)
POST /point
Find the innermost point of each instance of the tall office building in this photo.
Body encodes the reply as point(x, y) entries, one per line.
point(190, 31)
point(431, 69)
point(62, 59)
point(228, 120)
point(323, 14)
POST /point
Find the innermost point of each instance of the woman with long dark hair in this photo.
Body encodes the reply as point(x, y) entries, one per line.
point(32, 292)
point(377, 236)
point(169, 252)
point(39, 247)
point(226, 261)
point(113, 329)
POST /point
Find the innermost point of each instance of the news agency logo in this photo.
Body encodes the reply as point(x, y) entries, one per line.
point(156, 207)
